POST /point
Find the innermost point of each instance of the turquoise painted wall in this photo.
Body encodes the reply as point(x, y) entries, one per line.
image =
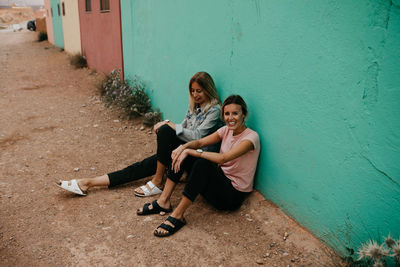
point(57, 23)
point(322, 80)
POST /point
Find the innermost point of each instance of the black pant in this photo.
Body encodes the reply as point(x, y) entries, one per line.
point(167, 141)
point(208, 179)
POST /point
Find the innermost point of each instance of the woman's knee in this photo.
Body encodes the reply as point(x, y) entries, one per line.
point(202, 165)
point(202, 169)
point(165, 131)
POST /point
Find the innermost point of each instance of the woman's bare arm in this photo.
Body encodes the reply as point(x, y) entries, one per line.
point(220, 158)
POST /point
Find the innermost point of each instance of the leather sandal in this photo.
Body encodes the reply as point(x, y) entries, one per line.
point(177, 224)
point(157, 209)
point(154, 190)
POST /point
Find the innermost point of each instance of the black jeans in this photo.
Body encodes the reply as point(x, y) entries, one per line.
point(208, 179)
point(167, 141)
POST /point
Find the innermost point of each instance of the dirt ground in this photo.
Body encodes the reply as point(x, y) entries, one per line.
point(53, 122)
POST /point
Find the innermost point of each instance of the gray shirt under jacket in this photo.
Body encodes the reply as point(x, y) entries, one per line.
point(199, 124)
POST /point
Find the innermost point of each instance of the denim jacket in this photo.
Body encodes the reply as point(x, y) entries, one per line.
point(199, 123)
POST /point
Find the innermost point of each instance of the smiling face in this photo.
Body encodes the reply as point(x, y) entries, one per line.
point(198, 94)
point(234, 118)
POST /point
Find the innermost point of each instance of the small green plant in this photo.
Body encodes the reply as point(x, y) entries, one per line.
point(129, 96)
point(78, 61)
point(374, 254)
point(151, 118)
point(42, 36)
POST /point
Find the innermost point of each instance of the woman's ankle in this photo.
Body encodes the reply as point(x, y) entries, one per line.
point(84, 184)
point(177, 215)
point(157, 182)
point(165, 203)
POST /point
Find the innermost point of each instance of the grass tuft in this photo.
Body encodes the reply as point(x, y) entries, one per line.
point(42, 36)
point(78, 61)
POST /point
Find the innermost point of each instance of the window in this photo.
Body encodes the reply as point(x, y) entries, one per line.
point(104, 5)
point(58, 7)
point(88, 5)
point(63, 8)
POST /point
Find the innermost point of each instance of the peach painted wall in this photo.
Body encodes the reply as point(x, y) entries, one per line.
point(101, 36)
point(49, 23)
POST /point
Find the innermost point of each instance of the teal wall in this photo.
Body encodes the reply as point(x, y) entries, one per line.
point(57, 23)
point(322, 81)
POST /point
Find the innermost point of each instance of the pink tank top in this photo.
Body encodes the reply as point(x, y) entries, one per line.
point(242, 169)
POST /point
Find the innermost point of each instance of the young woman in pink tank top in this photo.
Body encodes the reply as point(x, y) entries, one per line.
point(224, 179)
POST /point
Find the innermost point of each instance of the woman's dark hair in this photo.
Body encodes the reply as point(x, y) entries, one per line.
point(234, 99)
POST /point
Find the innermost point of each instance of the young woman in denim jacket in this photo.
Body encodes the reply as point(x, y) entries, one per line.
point(202, 118)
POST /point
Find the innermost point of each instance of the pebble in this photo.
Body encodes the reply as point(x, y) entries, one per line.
point(76, 169)
point(147, 219)
point(266, 255)
point(116, 120)
point(92, 168)
point(96, 125)
point(285, 236)
point(107, 228)
point(130, 236)
point(260, 262)
point(142, 128)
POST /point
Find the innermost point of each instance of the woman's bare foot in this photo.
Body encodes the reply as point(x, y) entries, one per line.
point(82, 185)
point(86, 183)
point(72, 186)
point(170, 226)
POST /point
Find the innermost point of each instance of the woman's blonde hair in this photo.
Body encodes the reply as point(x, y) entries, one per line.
point(207, 84)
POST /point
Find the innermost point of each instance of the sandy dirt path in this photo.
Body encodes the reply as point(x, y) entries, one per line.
point(52, 122)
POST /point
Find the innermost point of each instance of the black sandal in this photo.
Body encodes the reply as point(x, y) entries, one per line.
point(177, 224)
point(157, 209)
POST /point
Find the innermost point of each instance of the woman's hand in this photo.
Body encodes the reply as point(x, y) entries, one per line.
point(176, 153)
point(177, 162)
point(158, 125)
point(161, 123)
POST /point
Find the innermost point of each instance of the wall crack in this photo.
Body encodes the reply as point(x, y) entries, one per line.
point(382, 172)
